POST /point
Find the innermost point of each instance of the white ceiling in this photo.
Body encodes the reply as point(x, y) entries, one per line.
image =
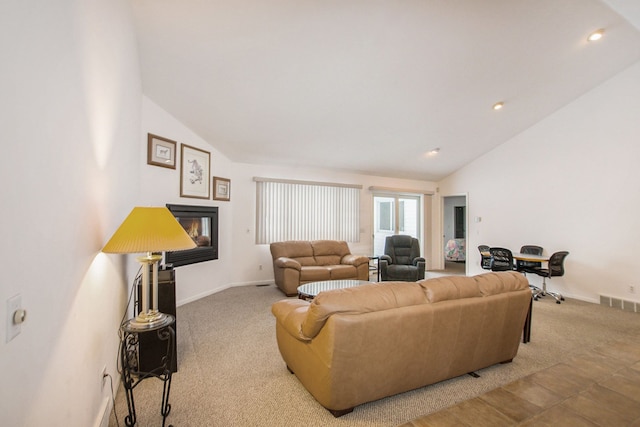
point(369, 86)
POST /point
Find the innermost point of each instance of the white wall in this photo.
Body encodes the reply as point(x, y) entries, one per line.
point(253, 255)
point(69, 114)
point(239, 257)
point(160, 186)
point(570, 182)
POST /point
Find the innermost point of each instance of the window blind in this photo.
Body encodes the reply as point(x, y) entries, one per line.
point(302, 210)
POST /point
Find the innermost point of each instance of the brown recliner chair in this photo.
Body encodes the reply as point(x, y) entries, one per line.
point(401, 260)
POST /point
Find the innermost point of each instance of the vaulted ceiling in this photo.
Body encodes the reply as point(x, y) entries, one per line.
point(370, 86)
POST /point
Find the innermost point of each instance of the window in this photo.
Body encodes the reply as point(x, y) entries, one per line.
point(395, 214)
point(385, 218)
point(300, 210)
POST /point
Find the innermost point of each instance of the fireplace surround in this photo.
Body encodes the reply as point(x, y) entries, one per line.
point(201, 223)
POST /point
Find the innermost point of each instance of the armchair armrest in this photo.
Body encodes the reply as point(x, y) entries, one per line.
point(355, 260)
point(284, 262)
point(290, 314)
point(383, 262)
point(418, 260)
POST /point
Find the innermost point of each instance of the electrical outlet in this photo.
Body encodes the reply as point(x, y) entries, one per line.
point(103, 375)
point(260, 267)
point(632, 289)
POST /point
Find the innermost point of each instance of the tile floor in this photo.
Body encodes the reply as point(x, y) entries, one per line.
point(599, 387)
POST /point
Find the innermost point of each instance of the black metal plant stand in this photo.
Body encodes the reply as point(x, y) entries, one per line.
point(132, 376)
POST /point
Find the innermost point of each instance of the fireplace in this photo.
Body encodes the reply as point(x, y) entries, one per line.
point(201, 223)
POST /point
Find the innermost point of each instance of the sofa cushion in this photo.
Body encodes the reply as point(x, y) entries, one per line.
point(449, 288)
point(341, 271)
point(359, 299)
point(314, 274)
point(497, 283)
point(402, 272)
point(300, 251)
point(456, 287)
point(329, 252)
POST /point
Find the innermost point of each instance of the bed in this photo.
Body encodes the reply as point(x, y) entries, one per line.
point(455, 250)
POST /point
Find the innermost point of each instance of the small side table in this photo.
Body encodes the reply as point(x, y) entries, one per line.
point(374, 265)
point(130, 362)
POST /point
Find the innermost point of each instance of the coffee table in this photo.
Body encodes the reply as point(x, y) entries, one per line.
point(310, 290)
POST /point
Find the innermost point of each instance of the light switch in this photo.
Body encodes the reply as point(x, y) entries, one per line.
point(13, 305)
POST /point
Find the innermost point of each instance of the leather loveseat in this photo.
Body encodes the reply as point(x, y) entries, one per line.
point(298, 262)
point(356, 345)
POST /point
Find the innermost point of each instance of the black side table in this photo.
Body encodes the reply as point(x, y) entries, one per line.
point(130, 363)
point(374, 265)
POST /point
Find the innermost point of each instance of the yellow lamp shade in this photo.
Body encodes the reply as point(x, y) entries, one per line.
point(149, 229)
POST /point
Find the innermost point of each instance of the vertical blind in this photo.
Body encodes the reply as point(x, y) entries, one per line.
point(300, 210)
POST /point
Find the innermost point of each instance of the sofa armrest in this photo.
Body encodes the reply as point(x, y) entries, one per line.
point(284, 262)
point(290, 314)
point(355, 260)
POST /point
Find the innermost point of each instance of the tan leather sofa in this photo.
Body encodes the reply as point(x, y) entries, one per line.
point(356, 345)
point(299, 262)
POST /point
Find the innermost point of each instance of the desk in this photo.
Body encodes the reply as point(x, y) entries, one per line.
point(526, 332)
point(530, 257)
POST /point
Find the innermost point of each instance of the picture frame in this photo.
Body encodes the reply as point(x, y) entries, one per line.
point(221, 189)
point(194, 172)
point(161, 151)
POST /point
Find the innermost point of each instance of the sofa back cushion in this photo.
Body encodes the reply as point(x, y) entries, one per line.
point(389, 295)
point(300, 250)
point(329, 252)
point(359, 299)
point(456, 287)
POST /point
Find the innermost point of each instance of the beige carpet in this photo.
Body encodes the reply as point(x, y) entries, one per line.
point(230, 372)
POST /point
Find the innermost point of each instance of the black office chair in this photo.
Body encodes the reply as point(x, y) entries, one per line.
point(555, 268)
point(401, 259)
point(501, 259)
point(526, 266)
point(485, 260)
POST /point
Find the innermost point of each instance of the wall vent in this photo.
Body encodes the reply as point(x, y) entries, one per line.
point(621, 304)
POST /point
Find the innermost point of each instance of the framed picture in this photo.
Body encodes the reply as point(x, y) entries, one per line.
point(161, 151)
point(221, 189)
point(194, 172)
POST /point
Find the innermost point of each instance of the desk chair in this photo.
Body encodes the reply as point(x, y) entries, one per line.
point(555, 268)
point(485, 261)
point(525, 267)
point(501, 259)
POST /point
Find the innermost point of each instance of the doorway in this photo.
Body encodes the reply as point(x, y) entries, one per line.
point(454, 218)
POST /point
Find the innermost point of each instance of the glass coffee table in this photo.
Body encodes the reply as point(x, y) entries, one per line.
point(309, 290)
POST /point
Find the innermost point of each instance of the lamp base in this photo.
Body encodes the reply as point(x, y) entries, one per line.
point(152, 319)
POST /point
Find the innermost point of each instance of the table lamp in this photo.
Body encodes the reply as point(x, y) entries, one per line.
point(149, 229)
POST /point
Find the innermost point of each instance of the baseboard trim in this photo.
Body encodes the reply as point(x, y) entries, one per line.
point(102, 419)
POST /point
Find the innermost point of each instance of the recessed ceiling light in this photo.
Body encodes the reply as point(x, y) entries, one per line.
point(433, 152)
point(596, 35)
point(498, 105)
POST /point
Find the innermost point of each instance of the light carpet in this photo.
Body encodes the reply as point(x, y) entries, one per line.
point(230, 372)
